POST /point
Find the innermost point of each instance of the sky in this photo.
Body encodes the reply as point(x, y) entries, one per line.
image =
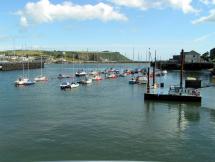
point(164, 26)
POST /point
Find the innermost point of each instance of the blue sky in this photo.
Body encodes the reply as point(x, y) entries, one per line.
point(116, 25)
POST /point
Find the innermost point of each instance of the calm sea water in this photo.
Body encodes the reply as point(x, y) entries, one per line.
point(107, 120)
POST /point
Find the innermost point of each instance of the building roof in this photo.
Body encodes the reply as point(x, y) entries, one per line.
point(191, 53)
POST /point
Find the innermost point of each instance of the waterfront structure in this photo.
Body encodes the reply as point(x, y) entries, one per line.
point(189, 57)
point(176, 93)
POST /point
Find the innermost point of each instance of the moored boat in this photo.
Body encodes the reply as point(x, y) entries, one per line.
point(141, 80)
point(132, 81)
point(97, 78)
point(86, 80)
point(40, 79)
point(80, 73)
point(111, 76)
point(23, 82)
point(63, 76)
point(65, 85)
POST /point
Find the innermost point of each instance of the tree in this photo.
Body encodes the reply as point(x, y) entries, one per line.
point(206, 56)
point(212, 54)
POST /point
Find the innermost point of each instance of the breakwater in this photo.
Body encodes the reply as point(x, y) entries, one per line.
point(187, 66)
point(9, 66)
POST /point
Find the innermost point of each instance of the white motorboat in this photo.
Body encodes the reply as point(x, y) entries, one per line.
point(74, 85)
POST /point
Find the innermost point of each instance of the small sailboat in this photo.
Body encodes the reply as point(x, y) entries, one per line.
point(62, 75)
point(24, 81)
point(74, 84)
point(41, 78)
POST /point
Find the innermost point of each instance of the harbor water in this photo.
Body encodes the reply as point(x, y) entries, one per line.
point(107, 120)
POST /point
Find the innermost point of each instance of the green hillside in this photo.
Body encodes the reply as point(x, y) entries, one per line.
point(69, 55)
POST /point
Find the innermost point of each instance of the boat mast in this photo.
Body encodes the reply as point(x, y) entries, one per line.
point(154, 66)
point(41, 64)
point(23, 69)
point(73, 70)
point(148, 80)
point(182, 68)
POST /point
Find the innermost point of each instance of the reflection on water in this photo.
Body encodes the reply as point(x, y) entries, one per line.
point(184, 113)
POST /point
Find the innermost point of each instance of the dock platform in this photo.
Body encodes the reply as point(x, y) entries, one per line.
point(170, 97)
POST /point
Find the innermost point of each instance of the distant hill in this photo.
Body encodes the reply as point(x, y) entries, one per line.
point(103, 56)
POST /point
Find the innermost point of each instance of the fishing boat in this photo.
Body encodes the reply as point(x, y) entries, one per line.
point(41, 78)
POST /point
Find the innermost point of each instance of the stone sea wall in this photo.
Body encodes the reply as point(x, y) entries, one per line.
point(19, 66)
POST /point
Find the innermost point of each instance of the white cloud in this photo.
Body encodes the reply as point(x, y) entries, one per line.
point(204, 37)
point(209, 18)
point(44, 11)
point(207, 2)
point(184, 5)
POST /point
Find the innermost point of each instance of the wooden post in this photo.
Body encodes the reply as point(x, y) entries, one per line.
point(148, 81)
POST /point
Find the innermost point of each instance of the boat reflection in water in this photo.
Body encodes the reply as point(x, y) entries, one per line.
point(178, 115)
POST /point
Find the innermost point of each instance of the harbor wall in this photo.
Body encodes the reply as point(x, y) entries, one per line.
point(187, 66)
point(19, 66)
